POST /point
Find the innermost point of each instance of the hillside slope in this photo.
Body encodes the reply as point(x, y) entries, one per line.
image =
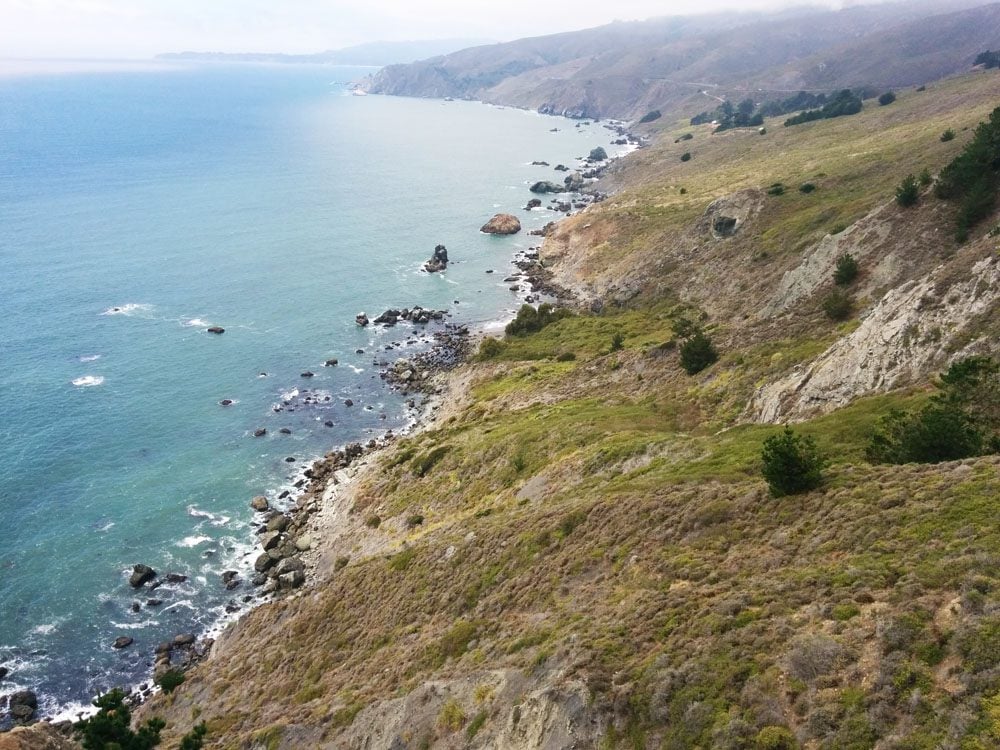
point(627, 69)
point(580, 550)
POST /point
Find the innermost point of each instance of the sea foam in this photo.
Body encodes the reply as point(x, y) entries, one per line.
point(88, 381)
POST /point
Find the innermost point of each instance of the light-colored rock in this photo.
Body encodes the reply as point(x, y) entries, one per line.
point(502, 224)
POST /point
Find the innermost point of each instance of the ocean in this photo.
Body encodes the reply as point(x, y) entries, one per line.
point(138, 207)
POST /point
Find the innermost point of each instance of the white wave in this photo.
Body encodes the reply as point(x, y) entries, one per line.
point(186, 603)
point(105, 527)
point(132, 308)
point(88, 381)
point(216, 519)
point(193, 541)
point(90, 357)
point(70, 712)
point(357, 370)
point(135, 625)
point(289, 395)
point(45, 629)
point(197, 323)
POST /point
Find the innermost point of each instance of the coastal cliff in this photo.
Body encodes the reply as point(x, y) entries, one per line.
point(579, 550)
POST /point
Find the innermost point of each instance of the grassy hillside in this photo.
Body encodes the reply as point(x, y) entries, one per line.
point(581, 552)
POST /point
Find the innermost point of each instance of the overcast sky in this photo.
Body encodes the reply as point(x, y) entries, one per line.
point(142, 28)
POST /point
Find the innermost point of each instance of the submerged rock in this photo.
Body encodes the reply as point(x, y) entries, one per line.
point(122, 641)
point(361, 319)
point(545, 186)
point(217, 330)
point(502, 224)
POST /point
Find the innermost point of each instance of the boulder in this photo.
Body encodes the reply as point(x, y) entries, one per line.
point(263, 562)
point(176, 578)
point(259, 432)
point(304, 543)
point(438, 261)
point(23, 705)
point(278, 523)
point(217, 330)
point(533, 203)
point(289, 565)
point(260, 504)
point(270, 540)
point(122, 641)
point(574, 182)
point(501, 224)
point(361, 319)
point(184, 639)
point(141, 574)
point(597, 154)
point(545, 186)
point(330, 363)
point(291, 580)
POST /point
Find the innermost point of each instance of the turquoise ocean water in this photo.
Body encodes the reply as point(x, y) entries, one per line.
point(138, 208)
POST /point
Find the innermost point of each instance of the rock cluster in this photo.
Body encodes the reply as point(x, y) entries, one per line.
point(415, 314)
point(502, 224)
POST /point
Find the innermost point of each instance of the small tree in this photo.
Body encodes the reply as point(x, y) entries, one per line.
point(686, 156)
point(110, 726)
point(948, 135)
point(887, 98)
point(617, 341)
point(908, 191)
point(697, 353)
point(792, 463)
point(195, 739)
point(925, 177)
point(846, 271)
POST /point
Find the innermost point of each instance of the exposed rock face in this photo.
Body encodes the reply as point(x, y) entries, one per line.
point(725, 216)
point(39, 736)
point(574, 182)
point(438, 261)
point(502, 224)
point(260, 503)
point(909, 333)
point(23, 705)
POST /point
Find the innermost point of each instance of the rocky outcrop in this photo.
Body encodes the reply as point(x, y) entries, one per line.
point(914, 330)
point(502, 224)
point(22, 706)
point(546, 186)
point(39, 736)
point(141, 574)
point(438, 261)
point(726, 216)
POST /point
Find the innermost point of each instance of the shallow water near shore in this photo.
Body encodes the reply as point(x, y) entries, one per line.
point(138, 208)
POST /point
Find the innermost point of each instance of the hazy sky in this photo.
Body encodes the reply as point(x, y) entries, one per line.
point(141, 28)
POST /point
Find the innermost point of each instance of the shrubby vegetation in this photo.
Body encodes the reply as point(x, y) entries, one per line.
point(908, 192)
point(532, 320)
point(110, 728)
point(973, 177)
point(846, 270)
point(792, 463)
point(887, 98)
point(948, 135)
point(650, 116)
point(988, 59)
point(961, 420)
point(844, 103)
point(837, 305)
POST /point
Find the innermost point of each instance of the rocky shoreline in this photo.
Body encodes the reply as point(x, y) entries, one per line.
point(286, 527)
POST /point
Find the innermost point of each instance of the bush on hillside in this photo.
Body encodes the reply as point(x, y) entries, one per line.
point(846, 270)
point(806, 187)
point(792, 463)
point(650, 116)
point(842, 104)
point(195, 739)
point(837, 305)
point(948, 135)
point(988, 59)
point(697, 353)
point(490, 347)
point(111, 727)
point(924, 178)
point(170, 680)
point(686, 156)
point(961, 420)
point(908, 191)
point(973, 177)
point(887, 98)
point(532, 320)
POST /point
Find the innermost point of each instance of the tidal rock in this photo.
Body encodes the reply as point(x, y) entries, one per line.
point(561, 168)
point(217, 330)
point(545, 186)
point(307, 374)
point(141, 574)
point(176, 578)
point(502, 224)
point(285, 431)
point(122, 641)
point(229, 576)
point(154, 602)
point(259, 432)
point(330, 363)
point(226, 402)
point(361, 319)
point(164, 647)
point(597, 154)
point(539, 164)
point(533, 203)
point(438, 261)
point(270, 540)
point(184, 639)
point(23, 705)
point(278, 523)
point(260, 504)
point(348, 402)
point(574, 182)
point(4, 672)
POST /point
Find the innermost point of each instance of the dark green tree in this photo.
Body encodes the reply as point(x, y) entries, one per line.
point(887, 98)
point(846, 270)
point(792, 463)
point(908, 191)
point(195, 739)
point(109, 728)
point(697, 353)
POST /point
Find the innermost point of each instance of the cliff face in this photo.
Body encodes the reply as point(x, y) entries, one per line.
point(627, 69)
point(580, 552)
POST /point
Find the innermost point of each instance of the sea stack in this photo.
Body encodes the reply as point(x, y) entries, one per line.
point(502, 224)
point(438, 261)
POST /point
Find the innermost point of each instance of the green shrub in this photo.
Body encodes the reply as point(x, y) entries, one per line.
point(195, 739)
point(806, 187)
point(415, 520)
point(837, 305)
point(617, 341)
point(110, 726)
point(452, 717)
point(476, 724)
point(792, 463)
point(908, 191)
point(373, 522)
point(846, 270)
point(422, 464)
point(887, 98)
point(686, 156)
point(565, 357)
point(776, 189)
point(776, 738)
point(532, 320)
point(650, 116)
point(490, 347)
point(170, 680)
point(455, 642)
point(924, 178)
point(948, 135)
point(697, 353)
